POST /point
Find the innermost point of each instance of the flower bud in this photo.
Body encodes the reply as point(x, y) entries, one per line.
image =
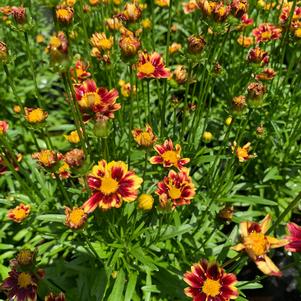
point(3, 52)
point(207, 137)
point(228, 121)
point(196, 44)
point(129, 45)
point(145, 201)
point(256, 91)
point(239, 103)
point(180, 74)
point(3, 127)
point(101, 128)
point(19, 14)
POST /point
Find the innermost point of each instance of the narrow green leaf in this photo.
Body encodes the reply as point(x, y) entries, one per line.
point(118, 287)
point(131, 286)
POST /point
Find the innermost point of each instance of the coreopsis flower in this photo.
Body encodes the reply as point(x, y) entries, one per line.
point(94, 2)
point(266, 74)
point(266, 32)
point(146, 23)
point(176, 188)
point(64, 14)
point(17, 109)
point(189, 7)
point(239, 103)
point(294, 238)
point(3, 52)
point(168, 155)
point(258, 55)
point(180, 74)
point(245, 41)
point(40, 38)
point(75, 217)
point(64, 171)
point(196, 44)
point(3, 164)
point(162, 3)
point(246, 21)
point(242, 153)
point(226, 213)
point(131, 12)
point(210, 282)
point(75, 157)
point(145, 201)
point(73, 137)
point(99, 100)
point(24, 258)
point(20, 286)
point(19, 213)
point(19, 14)
point(207, 137)
point(58, 46)
point(151, 66)
point(3, 127)
point(221, 11)
point(144, 137)
point(239, 7)
point(256, 244)
point(100, 41)
point(129, 45)
point(206, 6)
point(111, 183)
point(47, 158)
point(55, 297)
point(256, 91)
point(79, 73)
point(113, 23)
point(35, 115)
point(286, 10)
point(174, 47)
point(126, 88)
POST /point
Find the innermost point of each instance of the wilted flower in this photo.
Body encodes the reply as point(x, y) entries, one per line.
point(245, 41)
point(294, 238)
point(75, 157)
point(144, 138)
point(242, 153)
point(64, 14)
point(266, 74)
point(239, 103)
point(256, 91)
point(196, 44)
point(99, 100)
point(145, 201)
point(239, 7)
point(151, 66)
point(73, 137)
point(35, 116)
point(131, 12)
point(257, 244)
point(209, 282)
point(258, 55)
point(129, 45)
point(180, 74)
point(64, 170)
point(24, 258)
point(226, 213)
point(47, 158)
point(54, 297)
point(19, 213)
point(111, 183)
point(3, 52)
point(174, 47)
point(20, 286)
point(266, 32)
point(19, 14)
point(168, 156)
point(189, 7)
point(3, 127)
point(176, 188)
point(75, 217)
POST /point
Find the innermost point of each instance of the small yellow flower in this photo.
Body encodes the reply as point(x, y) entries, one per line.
point(146, 23)
point(75, 217)
point(145, 201)
point(207, 137)
point(73, 137)
point(228, 120)
point(242, 153)
point(174, 47)
point(40, 38)
point(100, 41)
point(35, 115)
point(297, 32)
point(19, 213)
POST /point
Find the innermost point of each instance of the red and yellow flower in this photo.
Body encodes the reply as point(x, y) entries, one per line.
point(75, 217)
point(294, 238)
point(189, 7)
point(168, 155)
point(266, 74)
point(209, 282)
point(64, 14)
point(20, 286)
point(242, 153)
point(58, 46)
point(245, 41)
point(73, 137)
point(258, 55)
point(131, 12)
point(100, 41)
point(99, 100)
point(3, 127)
point(257, 244)
point(111, 183)
point(79, 73)
point(266, 32)
point(144, 137)
point(151, 66)
point(19, 213)
point(47, 158)
point(35, 115)
point(177, 188)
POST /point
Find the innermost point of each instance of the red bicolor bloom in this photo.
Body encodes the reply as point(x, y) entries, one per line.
point(257, 244)
point(209, 282)
point(131, 12)
point(99, 100)
point(151, 66)
point(294, 238)
point(246, 20)
point(177, 188)
point(3, 127)
point(79, 73)
point(19, 213)
point(258, 55)
point(266, 74)
point(144, 137)
point(168, 156)
point(189, 7)
point(3, 165)
point(20, 286)
point(239, 7)
point(75, 217)
point(266, 32)
point(111, 183)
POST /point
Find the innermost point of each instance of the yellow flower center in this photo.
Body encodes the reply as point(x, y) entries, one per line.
point(108, 185)
point(146, 68)
point(145, 138)
point(19, 213)
point(170, 156)
point(24, 280)
point(298, 33)
point(62, 13)
point(257, 243)
point(90, 99)
point(211, 287)
point(266, 35)
point(46, 157)
point(35, 116)
point(24, 257)
point(55, 42)
point(76, 216)
point(174, 193)
point(105, 44)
